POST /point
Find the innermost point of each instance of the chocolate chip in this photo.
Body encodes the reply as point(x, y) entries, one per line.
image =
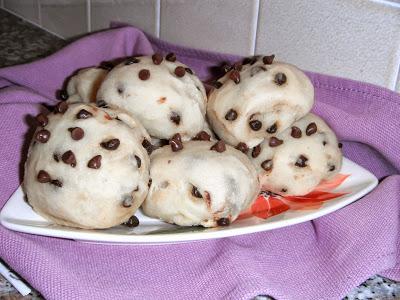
point(171, 57)
point(163, 142)
point(176, 142)
point(250, 60)
point(273, 128)
point(84, 114)
point(189, 70)
point(148, 146)
point(69, 158)
point(296, 132)
point(157, 58)
point(340, 145)
point(231, 115)
point(218, 146)
point(55, 157)
point(138, 161)
point(43, 177)
point(101, 103)
point(137, 189)
point(179, 71)
point(106, 65)
point(202, 136)
point(257, 69)
point(246, 60)
point(256, 151)
point(112, 144)
point(223, 222)
point(332, 168)
point(242, 147)
point(150, 182)
point(311, 129)
point(120, 90)
point(95, 162)
point(42, 120)
point(237, 66)
point(77, 133)
point(175, 118)
point(255, 125)
point(57, 183)
point(127, 201)
point(235, 76)
point(274, 142)
point(217, 84)
point(63, 95)
point(284, 190)
point(301, 161)
point(42, 136)
point(196, 193)
point(144, 74)
point(226, 68)
point(131, 60)
point(268, 59)
point(324, 143)
point(267, 165)
point(253, 60)
point(132, 222)
point(280, 78)
point(61, 107)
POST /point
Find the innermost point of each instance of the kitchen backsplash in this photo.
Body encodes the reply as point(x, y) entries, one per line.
point(357, 39)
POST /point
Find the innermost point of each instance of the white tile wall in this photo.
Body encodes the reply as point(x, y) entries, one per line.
point(358, 39)
point(220, 25)
point(29, 9)
point(140, 13)
point(67, 18)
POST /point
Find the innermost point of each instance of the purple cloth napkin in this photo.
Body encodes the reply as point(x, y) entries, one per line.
point(321, 259)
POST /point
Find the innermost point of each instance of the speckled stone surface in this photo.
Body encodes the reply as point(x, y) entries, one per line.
point(22, 42)
point(7, 292)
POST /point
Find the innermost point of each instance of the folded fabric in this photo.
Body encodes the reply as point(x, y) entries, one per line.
point(321, 259)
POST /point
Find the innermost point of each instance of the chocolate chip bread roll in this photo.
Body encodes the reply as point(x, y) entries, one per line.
point(200, 183)
point(295, 161)
point(164, 94)
point(87, 167)
point(83, 86)
point(257, 100)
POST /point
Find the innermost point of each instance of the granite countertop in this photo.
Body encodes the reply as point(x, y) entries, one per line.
point(22, 42)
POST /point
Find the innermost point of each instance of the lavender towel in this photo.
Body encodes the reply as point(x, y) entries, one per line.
point(322, 259)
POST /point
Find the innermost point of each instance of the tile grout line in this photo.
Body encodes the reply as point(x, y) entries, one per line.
point(88, 15)
point(158, 18)
point(33, 23)
point(390, 3)
point(397, 83)
point(255, 27)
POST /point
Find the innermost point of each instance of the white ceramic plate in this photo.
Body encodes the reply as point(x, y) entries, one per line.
point(18, 215)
